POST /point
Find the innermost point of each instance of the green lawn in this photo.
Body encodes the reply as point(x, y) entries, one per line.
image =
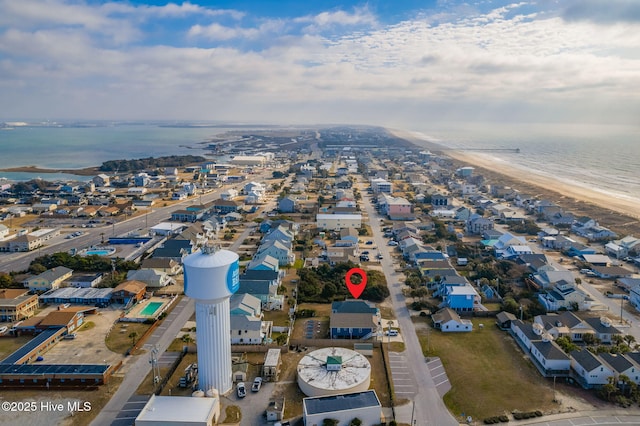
point(488, 372)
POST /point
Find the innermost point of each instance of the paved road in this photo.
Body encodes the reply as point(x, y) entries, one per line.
point(92, 236)
point(429, 407)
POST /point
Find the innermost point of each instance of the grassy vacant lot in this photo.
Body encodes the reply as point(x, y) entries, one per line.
point(9, 345)
point(488, 372)
point(118, 339)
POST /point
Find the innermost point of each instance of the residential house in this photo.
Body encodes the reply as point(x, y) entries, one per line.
point(622, 366)
point(590, 370)
point(503, 320)
point(611, 272)
point(249, 330)
point(439, 200)
point(564, 295)
point(101, 180)
point(448, 321)
point(245, 304)
point(342, 254)
point(287, 205)
point(335, 222)
point(565, 324)
point(162, 264)
point(460, 298)
point(263, 261)
point(84, 280)
point(226, 206)
point(353, 319)
point(152, 278)
point(277, 250)
point(129, 291)
point(49, 279)
point(229, 194)
point(550, 359)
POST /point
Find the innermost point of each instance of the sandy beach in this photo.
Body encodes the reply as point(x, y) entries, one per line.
point(620, 214)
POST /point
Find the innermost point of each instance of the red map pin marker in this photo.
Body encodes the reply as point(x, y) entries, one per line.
point(356, 289)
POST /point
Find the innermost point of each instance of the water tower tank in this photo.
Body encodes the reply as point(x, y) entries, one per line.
point(210, 277)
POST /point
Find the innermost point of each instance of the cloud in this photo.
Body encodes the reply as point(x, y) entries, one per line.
point(331, 66)
point(603, 12)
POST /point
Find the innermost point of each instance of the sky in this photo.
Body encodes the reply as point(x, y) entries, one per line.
point(395, 63)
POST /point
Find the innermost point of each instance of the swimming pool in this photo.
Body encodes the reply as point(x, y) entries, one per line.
point(98, 252)
point(104, 251)
point(150, 309)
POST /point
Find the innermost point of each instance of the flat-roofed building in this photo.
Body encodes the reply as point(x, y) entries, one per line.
point(17, 304)
point(335, 222)
point(343, 408)
point(179, 411)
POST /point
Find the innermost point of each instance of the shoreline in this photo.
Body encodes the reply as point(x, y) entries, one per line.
point(87, 171)
point(620, 214)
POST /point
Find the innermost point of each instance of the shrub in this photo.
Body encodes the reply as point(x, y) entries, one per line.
point(504, 419)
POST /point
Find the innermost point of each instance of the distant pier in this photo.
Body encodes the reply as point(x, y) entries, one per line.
point(514, 150)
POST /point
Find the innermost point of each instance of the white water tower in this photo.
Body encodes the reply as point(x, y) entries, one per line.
point(211, 276)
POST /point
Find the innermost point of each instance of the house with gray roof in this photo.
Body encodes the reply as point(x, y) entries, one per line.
point(245, 304)
point(550, 359)
point(447, 320)
point(622, 365)
point(151, 277)
point(48, 280)
point(590, 370)
point(248, 330)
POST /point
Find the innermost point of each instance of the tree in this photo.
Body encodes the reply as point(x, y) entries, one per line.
point(355, 422)
point(133, 336)
point(329, 422)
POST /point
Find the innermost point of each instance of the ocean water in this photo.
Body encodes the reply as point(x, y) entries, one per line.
point(605, 158)
point(79, 147)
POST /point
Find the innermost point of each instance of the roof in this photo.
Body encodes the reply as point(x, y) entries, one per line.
point(178, 409)
point(246, 302)
point(352, 320)
point(53, 274)
point(550, 350)
point(339, 216)
point(586, 359)
point(131, 286)
point(526, 329)
point(243, 322)
point(29, 346)
point(618, 362)
point(352, 306)
point(257, 275)
point(344, 402)
point(445, 315)
point(57, 318)
point(38, 370)
point(158, 262)
point(505, 316)
point(600, 328)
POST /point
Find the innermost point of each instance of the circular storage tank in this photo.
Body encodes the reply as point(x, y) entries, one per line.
point(332, 371)
point(198, 394)
point(211, 393)
point(211, 274)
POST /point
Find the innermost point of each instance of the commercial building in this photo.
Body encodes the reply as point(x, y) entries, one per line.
point(343, 408)
point(17, 304)
point(179, 411)
point(335, 222)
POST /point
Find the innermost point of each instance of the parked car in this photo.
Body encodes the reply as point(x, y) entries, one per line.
point(391, 333)
point(369, 242)
point(241, 390)
point(380, 257)
point(392, 243)
point(257, 383)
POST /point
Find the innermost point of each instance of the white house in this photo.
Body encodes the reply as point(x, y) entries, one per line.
point(550, 358)
point(334, 222)
point(591, 370)
point(447, 320)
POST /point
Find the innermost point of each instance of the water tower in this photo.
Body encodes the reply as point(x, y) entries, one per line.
point(211, 276)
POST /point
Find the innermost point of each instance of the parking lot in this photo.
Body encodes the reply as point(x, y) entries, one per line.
point(89, 345)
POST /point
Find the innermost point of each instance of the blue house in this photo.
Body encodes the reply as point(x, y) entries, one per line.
point(460, 298)
point(353, 319)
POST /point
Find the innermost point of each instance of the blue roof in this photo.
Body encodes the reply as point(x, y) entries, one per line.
point(30, 345)
point(40, 369)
